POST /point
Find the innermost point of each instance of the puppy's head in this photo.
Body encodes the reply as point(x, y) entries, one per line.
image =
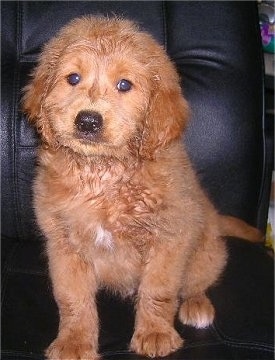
point(103, 87)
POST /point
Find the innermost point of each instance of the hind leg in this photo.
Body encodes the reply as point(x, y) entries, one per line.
point(197, 311)
point(203, 271)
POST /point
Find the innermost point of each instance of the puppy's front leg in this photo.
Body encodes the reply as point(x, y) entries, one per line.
point(157, 304)
point(74, 288)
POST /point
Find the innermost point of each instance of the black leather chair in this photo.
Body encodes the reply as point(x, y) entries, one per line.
point(217, 49)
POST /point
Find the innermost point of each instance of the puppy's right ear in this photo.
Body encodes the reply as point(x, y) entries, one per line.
point(35, 93)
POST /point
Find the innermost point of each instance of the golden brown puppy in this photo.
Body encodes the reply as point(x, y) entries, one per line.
point(115, 194)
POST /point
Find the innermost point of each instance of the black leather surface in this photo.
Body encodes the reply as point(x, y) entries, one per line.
point(217, 50)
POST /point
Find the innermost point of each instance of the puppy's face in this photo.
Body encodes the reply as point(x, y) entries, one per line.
point(97, 99)
point(99, 89)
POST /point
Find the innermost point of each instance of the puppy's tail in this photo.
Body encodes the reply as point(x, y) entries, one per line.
point(231, 226)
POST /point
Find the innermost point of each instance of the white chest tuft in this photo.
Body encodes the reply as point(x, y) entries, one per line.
point(104, 238)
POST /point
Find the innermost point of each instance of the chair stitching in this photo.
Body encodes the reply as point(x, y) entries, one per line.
point(164, 24)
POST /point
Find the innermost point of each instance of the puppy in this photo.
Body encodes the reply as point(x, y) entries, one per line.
point(115, 194)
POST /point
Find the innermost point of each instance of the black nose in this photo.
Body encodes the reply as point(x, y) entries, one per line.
point(88, 122)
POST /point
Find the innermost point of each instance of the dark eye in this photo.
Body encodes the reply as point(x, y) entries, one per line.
point(73, 79)
point(124, 85)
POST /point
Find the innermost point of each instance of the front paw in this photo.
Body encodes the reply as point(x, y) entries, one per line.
point(70, 349)
point(157, 343)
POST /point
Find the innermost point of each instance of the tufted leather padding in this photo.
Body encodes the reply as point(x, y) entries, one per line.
point(216, 47)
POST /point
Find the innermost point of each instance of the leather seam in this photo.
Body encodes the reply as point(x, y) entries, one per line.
point(238, 342)
point(164, 24)
point(6, 271)
point(14, 129)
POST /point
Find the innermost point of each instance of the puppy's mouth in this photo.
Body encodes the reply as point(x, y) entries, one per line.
point(86, 138)
point(89, 126)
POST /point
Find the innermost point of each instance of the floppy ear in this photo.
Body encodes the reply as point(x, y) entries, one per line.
point(34, 94)
point(167, 114)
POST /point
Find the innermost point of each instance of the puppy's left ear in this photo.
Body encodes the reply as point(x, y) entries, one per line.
point(167, 114)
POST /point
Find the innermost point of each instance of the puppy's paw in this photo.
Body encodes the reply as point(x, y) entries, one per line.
point(69, 349)
point(197, 311)
point(156, 343)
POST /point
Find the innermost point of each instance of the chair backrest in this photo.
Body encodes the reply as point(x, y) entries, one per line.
point(216, 47)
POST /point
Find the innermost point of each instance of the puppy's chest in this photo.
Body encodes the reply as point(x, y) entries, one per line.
point(123, 209)
point(120, 227)
point(111, 220)
point(120, 193)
